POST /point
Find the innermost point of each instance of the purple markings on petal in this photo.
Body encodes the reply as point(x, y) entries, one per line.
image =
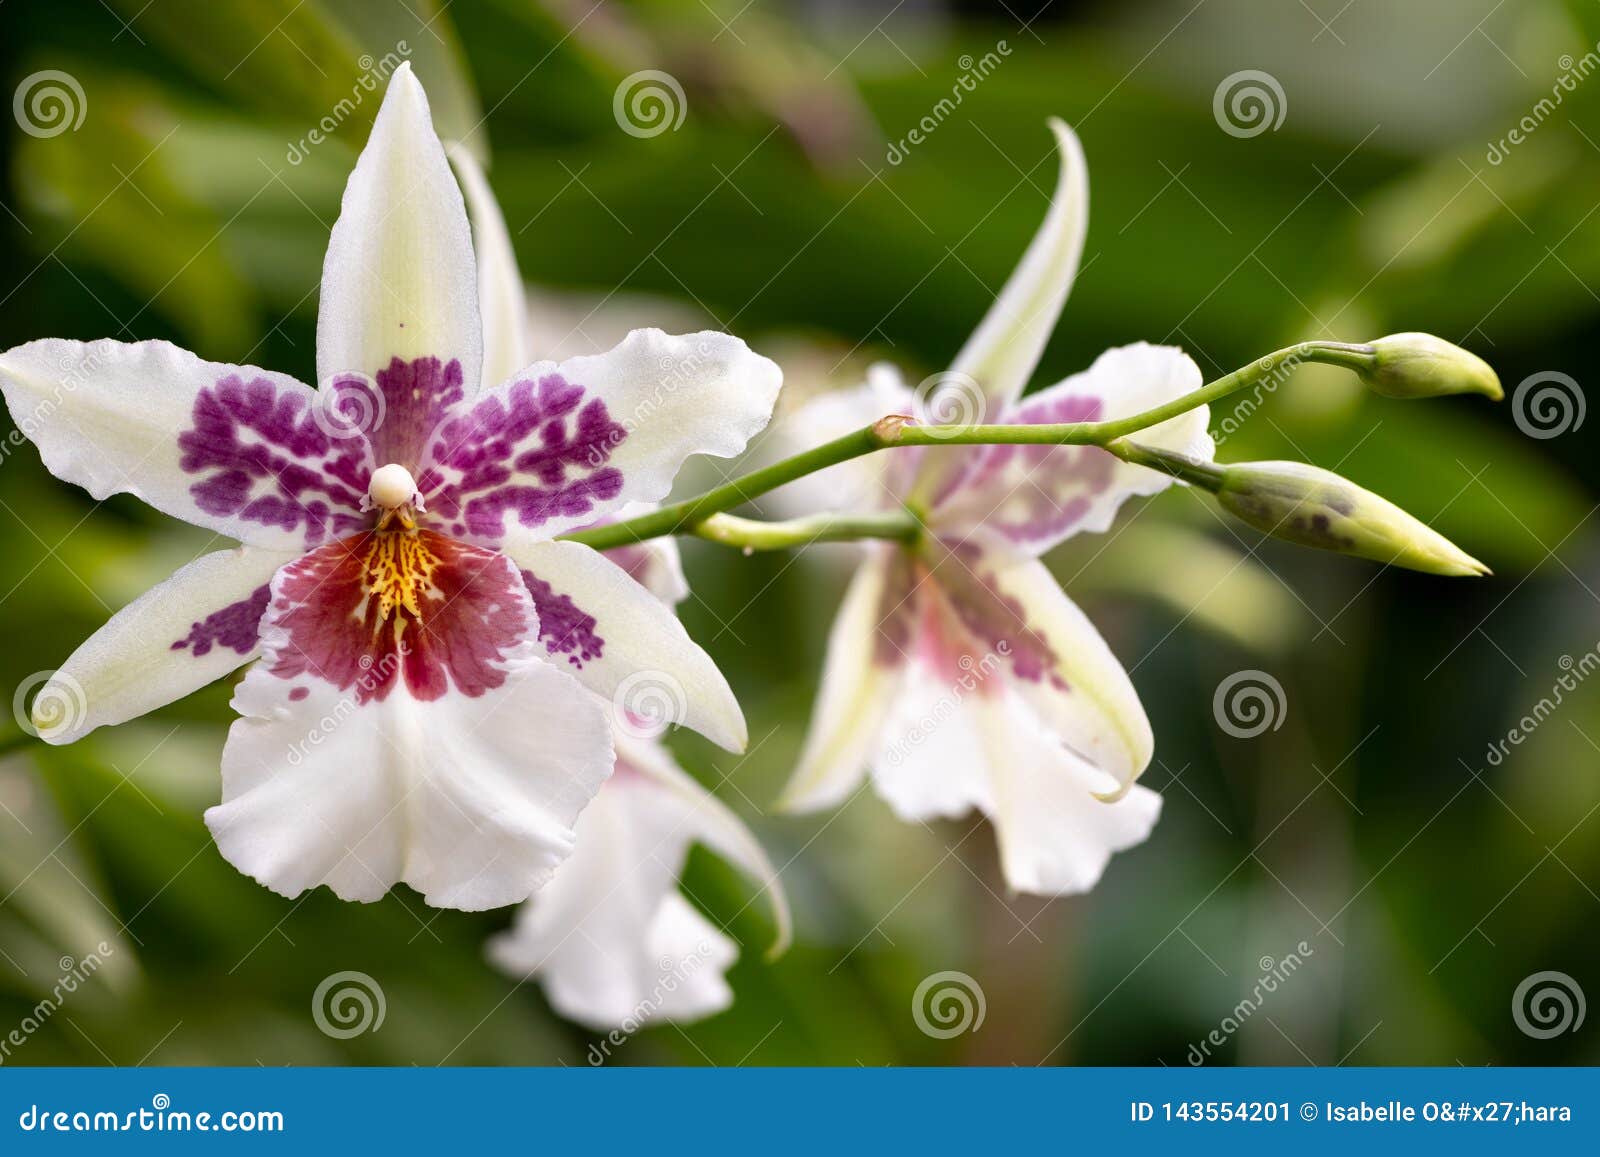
point(897, 612)
point(417, 397)
point(235, 626)
point(536, 450)
point(996, 620)
point(565, 628)
point(298, 693)
point(1029, 493)
point(263, 457)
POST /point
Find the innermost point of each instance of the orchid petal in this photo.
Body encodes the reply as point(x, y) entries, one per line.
point(401, 727)
point(563, 445)
point(1036, 496)
point(1003, 351)
point(619, 640)
point(250, 454)
point(611, 938)
point(172, 640)
point(502, 302)
point(399, 287)
point(862, 670)
point(950, 751)
point(1014, 609)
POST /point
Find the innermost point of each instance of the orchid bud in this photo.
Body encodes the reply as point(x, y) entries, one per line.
point(1419, 365)
point(1318, 508)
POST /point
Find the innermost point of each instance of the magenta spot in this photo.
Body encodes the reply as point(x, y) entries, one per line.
point(965, 581)
point(565, 627)
point(298, 693)
point(236, 626)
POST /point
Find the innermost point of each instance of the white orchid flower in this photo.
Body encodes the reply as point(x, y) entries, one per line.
point(425, 706)
point(613, 941)
point(957, 669)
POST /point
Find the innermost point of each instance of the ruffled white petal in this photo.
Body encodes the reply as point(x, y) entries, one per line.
point(399, 280)
point(610, 937)
point(1002, 352)
point(501, 300)
point(469, 799)
point(622, 643)
point(948, 752)
point(860, 675)
point(1036, 496)
point(172, 640)
point(212, 444)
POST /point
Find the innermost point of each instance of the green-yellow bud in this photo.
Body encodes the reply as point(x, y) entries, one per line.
point(1318, 508)
point(1419, 365)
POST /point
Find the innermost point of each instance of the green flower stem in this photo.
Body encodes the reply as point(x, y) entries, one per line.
point(750, 535)
point(688, 516)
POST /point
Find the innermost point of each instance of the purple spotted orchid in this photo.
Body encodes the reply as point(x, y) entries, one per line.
point(957, 669)
point(610, 937)
point(427, 705)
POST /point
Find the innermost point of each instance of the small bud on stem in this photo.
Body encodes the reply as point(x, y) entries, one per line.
point(1419, 365)
point(1318, 508)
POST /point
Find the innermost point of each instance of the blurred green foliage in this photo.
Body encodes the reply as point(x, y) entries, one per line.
point(1427, 879)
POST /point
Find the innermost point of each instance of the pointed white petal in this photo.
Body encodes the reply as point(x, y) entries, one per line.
point(1035, 496)
point(501, 300)
point(1002, 352)
point(862, 670)
point(399, 280)
point(432, 747)
point(241, 451)
point(622, 643)
point(561, 446)
point(172, 640)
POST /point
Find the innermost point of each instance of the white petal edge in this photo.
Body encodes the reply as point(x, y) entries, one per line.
point(675, 396)
point(714, 824)
point(129, 667)
point(399, 279)
point(610, 938)
point(1003, 351)
point(106, 416)
point(648, 661)
point(853, 699)
point(502, 304)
